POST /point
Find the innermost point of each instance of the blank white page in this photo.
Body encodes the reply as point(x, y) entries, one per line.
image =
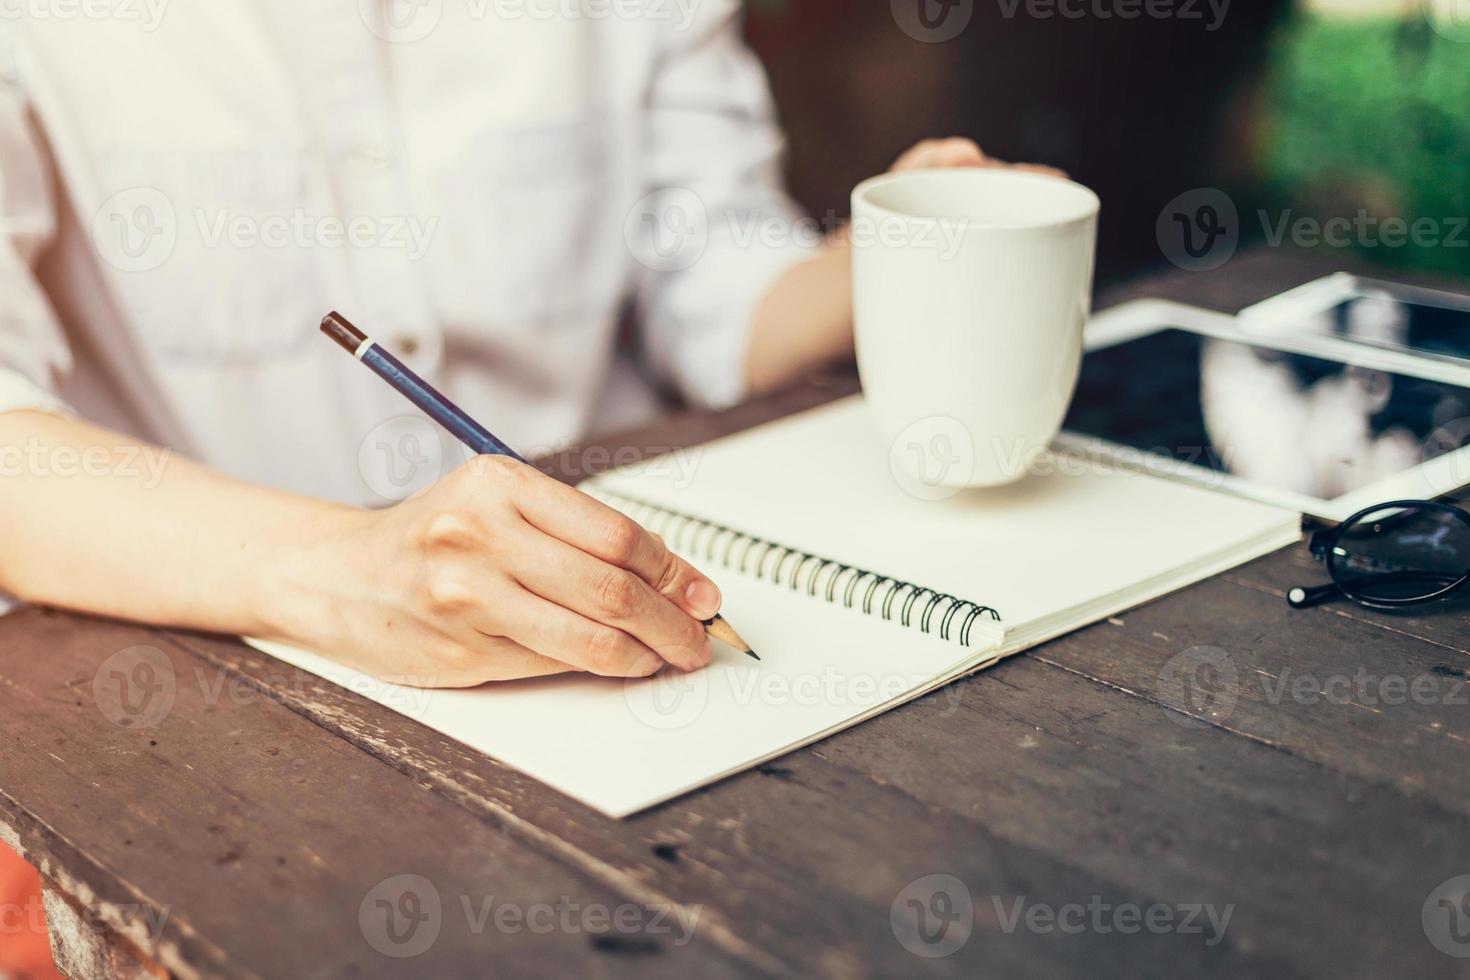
point(1068, 540)
point(620, 746)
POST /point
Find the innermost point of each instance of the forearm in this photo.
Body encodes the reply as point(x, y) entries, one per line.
point(804, 322)
point(97, 521)
point(497, 571)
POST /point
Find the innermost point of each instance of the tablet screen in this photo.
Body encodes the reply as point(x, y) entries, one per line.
point(1373, 315)
point(1286, 421)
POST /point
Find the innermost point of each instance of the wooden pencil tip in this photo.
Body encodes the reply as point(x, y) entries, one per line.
point(725, 633)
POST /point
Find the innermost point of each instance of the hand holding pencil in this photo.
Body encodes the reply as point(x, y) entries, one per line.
point(515, 573)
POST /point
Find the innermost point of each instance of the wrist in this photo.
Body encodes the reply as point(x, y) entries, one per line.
point(294, 589)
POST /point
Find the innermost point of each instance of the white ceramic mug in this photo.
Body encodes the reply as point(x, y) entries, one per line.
point(970, 289)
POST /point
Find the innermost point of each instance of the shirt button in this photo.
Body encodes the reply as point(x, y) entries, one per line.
point(377, 152)
point(408, 346)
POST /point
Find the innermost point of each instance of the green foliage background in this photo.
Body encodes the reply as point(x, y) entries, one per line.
point(1375, 115)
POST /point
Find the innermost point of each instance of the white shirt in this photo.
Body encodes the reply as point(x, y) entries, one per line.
point(482, 185)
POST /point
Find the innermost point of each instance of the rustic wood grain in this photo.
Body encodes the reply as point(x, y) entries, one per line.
point(80, 947)
point(1031, 779)
point(1082, 771)
point(235, 838)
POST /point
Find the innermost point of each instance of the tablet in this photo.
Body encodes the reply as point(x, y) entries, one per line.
point(1412, 320)
point(1316, 424)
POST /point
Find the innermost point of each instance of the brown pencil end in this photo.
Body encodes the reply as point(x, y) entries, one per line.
point(341, 330)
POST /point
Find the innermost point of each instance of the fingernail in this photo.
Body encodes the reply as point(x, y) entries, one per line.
point(703, 598)
point(647, 664)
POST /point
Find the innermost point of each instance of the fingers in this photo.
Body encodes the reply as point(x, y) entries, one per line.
point(957, 151)
point(500, 659)
point(469, 659)
point(559, 573)
point(1039, 168)
point(479, 604)
point(574, 639)
point(591, 526)
point(614, 596)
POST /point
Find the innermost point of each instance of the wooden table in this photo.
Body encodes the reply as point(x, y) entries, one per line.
point(249, 832)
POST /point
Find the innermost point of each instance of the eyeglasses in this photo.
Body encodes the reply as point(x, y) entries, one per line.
point(1392, 555)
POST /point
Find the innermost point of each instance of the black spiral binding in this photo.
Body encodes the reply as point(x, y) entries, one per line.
point(786, 566)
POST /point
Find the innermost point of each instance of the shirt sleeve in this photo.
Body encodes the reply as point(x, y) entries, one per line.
point(33, 349)
point(716, 229)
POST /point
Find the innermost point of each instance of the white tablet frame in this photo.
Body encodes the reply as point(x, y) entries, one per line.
point(1283, 315)
point(1142, 317)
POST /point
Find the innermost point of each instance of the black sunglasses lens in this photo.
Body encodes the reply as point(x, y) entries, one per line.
point(1399, 554)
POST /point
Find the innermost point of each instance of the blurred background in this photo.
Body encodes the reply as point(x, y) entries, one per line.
point(1328, 108)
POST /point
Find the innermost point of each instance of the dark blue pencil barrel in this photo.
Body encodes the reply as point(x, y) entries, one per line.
point(435, 405)
point(415, 388)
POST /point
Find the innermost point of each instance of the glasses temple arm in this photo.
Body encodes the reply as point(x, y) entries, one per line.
point(1305, 597)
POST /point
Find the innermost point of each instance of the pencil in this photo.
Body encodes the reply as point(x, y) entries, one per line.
point(725, 633)
point(464, 428)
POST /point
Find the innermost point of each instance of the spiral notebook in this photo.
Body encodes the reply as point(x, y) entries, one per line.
point(858, 595)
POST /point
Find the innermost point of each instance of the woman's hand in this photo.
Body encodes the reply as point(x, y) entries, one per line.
point(495, 572)
point(498, 572)
point(960, 152)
